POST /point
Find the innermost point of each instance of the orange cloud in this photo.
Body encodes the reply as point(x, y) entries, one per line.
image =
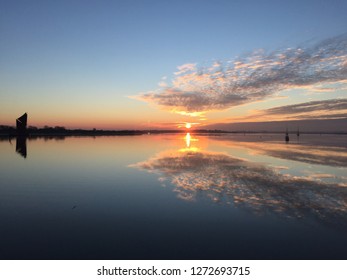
point(252, 78)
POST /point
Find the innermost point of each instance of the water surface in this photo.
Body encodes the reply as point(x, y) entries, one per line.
point(179, 196)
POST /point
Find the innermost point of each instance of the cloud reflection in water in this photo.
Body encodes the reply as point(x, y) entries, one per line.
point(317, 153)
point(230, 180)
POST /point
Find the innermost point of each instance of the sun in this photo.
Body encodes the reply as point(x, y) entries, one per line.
point(188, 125)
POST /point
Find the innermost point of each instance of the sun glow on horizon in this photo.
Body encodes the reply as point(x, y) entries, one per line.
point(188, 125)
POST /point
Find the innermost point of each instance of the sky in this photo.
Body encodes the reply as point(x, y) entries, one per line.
point(161, 64)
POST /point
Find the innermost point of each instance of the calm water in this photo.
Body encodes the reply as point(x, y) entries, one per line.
point(174, 197)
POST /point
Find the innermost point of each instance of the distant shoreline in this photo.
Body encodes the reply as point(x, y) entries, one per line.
point(56, 132)
point(317, 126)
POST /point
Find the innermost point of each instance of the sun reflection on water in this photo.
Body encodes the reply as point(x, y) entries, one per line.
point(188, 138)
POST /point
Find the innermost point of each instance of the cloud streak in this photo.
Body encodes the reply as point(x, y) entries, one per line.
point(313, 106)
point(322, 109)
point(250, 78)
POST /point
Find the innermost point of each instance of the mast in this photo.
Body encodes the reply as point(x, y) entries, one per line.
point(287, 135)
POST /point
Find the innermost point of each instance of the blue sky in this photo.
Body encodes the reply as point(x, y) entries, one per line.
point(94, 54)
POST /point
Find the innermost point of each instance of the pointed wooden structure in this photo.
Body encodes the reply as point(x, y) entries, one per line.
point(21, 124)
